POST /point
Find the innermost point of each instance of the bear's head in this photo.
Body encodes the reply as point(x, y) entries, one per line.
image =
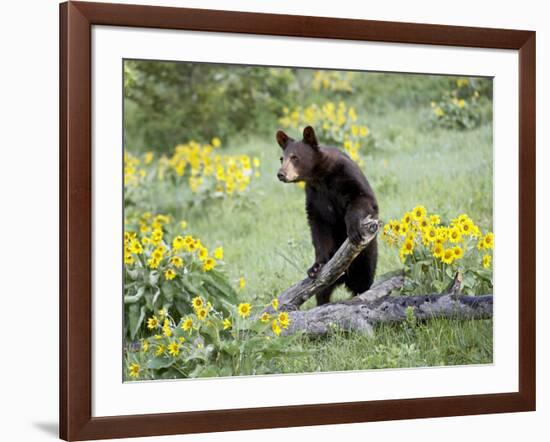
point(299, 157)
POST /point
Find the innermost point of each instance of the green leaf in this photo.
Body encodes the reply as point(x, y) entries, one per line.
point(160, 362)
point(131, 299)
point(154, 277)
point(136, 315)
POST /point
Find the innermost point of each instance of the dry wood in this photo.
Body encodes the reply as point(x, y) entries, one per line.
point(362, 316)
point(295, 296)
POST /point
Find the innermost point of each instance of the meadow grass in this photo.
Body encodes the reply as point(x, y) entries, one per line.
point(266, 238)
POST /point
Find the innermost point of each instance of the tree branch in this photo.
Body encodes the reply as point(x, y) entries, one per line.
point(295, 296)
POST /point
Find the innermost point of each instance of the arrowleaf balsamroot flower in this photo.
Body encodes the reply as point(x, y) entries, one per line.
point(174, 348)
point(152, 322)
point(244, 309)
point(208, 264)
point(187, 324)
point(169, 274)
point(218, 253)
point(284, 319)
point(275, 327)
point(197, 302)
point(134, 370)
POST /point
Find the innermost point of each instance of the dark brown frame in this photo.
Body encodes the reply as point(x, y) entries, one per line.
point(76, 20)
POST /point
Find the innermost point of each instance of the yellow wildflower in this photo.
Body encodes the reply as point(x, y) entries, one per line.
point(187, 324)
point(284, 319)
point(275, 304)
point(408, 247)
point(435, 220)
point(216, 142)
point(430, 234)
point(202, 313)
point(203, 253)
point(197, 302)
point(226, 323)
point(176, 261)
point(134, 370)
point(458, 252)
point(169, 274)
point(178, 243)
point(438, 250)
point(174, 348)
point(244, 309)
point(160, 350)
point(218, 253)
point(275, 327)
point(265, 317)
point(488, 240)
point(448, 256)
point(455, 235)
point(152, 322)
point(208, 264)
point(242, 282)
point(486, 261)
point(418, 213)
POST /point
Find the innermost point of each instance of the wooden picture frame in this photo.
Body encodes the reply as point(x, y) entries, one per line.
point(76, 21)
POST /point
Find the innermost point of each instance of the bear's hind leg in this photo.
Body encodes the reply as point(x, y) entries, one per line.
point(360, 274)
point(323, 297)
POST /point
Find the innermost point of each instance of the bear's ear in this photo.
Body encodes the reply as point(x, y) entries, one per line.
point(310, 138)
point(282, 139)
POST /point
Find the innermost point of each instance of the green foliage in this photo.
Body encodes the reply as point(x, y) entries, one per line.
point(199, 172)
point(167, 102)
point(463, 107)
point(208, 343)
point(163, 271)
point(433, 253)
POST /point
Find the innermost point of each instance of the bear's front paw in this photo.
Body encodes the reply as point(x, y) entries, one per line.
point(355, 236)
point(313, 271)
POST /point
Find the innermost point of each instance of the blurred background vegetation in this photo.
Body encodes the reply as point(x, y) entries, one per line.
point(167, 103)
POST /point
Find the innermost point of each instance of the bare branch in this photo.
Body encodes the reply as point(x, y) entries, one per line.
point(295, 296)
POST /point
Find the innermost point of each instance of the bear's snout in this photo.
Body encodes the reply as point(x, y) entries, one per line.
point(282, 177)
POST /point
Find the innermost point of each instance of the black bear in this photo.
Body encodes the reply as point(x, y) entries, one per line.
point(338, 197)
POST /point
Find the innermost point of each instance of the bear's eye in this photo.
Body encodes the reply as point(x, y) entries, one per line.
point(281, 160)
point(294, 158)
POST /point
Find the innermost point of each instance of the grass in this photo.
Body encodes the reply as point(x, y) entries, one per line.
point(266, 237)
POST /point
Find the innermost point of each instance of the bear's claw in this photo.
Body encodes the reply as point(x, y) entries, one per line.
point(313, 271)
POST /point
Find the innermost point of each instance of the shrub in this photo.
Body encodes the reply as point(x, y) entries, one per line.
point(207, 342)
point(199, 172)
point(164, 268)
point(165, 102)
point(433, 252)
point(461, 108)
point(332, 81)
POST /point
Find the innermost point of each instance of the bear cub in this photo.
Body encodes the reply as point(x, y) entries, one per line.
point(338, 197)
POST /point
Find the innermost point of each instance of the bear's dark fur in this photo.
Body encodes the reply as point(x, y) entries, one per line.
point(338, 197)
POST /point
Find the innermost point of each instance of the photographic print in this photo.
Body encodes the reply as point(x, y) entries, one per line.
point(284, 220)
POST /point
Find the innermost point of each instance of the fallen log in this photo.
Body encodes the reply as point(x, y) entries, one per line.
point(362, 316)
